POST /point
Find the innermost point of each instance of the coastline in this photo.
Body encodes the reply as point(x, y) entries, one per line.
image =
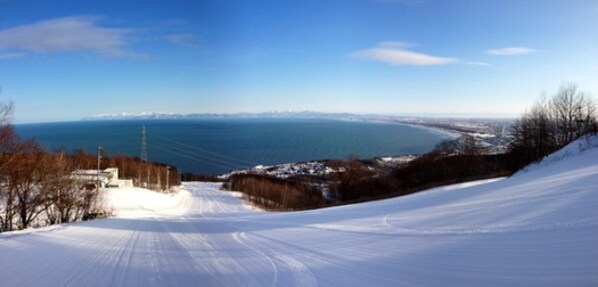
point(451, 132)
point(165, 144)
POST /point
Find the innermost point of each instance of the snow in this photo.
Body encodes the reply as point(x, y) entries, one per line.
point(575, 149)
point(136, 202)
point(537, 228)
point(482, 135)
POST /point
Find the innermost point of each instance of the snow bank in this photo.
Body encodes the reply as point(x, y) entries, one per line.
point(575, 149)
point(135, 201)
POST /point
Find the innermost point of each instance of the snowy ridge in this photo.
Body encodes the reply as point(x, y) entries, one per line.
point(538, 228)
point(573, 149)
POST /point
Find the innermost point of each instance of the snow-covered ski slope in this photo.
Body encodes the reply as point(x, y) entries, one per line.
point(537, 228)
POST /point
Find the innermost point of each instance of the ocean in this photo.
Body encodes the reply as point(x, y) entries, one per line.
point(217, 146)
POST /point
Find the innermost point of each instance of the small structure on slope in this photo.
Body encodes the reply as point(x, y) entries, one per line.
point(106, 178)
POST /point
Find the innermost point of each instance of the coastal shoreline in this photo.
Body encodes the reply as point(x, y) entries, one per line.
point(453, 133)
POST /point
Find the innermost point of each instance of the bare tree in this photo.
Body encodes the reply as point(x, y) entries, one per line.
point(464, 145)
point(34, 182)
point(63, 195)
point(445, 148)
point(8, 142)
point(6, 110)
point(7, 134)
point(25, 176)
point(553, 123)
point(573, 112)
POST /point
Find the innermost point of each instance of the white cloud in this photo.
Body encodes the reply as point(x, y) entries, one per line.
point(396, 53)
point(8, 56)
point(476, 63)
point(183, 40)
point(511, 51)
point(69, 34)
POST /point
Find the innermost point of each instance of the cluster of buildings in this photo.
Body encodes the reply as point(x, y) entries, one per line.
point(289, 170)
point(314, 168)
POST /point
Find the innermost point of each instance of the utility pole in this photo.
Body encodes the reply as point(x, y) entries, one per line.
point(98, 175)
point(144, 153)
point(143, 144)
point(167, 178)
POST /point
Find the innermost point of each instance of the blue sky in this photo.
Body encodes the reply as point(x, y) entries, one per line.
point(63, 60)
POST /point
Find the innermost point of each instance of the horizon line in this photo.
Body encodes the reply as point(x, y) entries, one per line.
point(265, 114)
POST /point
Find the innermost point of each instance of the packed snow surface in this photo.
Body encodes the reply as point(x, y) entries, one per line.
point(537, 228)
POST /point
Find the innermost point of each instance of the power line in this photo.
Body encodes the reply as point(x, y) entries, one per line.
point(207, 151)
point(195, 155)
point(170, 146)
point(194, 158)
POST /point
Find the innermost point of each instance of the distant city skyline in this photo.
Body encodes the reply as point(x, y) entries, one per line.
point(65, 60)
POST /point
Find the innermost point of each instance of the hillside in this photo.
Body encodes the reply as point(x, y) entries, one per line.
point(537, 228)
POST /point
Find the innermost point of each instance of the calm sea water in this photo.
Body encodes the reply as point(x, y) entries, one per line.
point(215, 146)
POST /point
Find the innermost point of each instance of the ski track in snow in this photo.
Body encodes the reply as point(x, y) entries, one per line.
point(537, 228)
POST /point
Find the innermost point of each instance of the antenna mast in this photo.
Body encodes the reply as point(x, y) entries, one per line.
point(144, 153)
point(143, 145)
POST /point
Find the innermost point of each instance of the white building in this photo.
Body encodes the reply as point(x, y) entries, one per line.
point(107, 177)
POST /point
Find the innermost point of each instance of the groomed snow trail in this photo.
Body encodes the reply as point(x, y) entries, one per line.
point(537, 228)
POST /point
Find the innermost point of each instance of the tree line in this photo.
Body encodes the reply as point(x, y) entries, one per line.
point(37, 187)
point(150, 175)
point(276, 194)
point(553, 122)
point(451, 161)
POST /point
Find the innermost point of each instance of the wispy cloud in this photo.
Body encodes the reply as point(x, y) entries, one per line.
point(397, 53)
point(477, 64)
point(403, 2)
point(511, 51)
point(8, 56)
point(183, 40)
point(69, 34)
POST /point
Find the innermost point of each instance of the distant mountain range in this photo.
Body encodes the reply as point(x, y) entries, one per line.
point(295, 114)
point(273, 114)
